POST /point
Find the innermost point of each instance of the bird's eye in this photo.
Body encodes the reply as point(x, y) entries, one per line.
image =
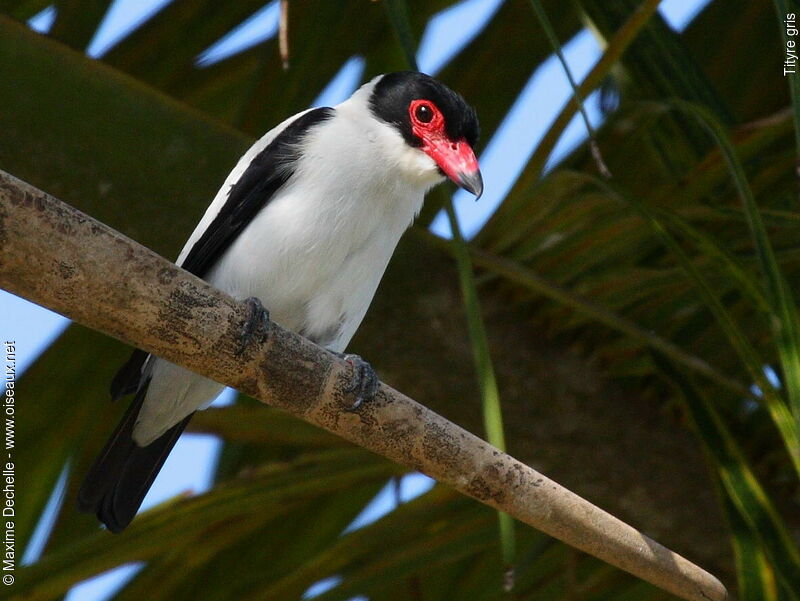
point(424, 113)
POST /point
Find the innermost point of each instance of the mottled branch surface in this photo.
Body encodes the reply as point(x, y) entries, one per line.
point(60, 258)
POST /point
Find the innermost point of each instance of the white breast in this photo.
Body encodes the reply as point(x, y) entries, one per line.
point(314, 255)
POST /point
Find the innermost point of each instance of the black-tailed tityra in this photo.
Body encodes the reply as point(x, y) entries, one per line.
point(306, 222)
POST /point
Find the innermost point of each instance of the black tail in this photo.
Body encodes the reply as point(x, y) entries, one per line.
point(123, 472)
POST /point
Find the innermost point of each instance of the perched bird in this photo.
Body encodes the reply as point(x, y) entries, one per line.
point(306, 224)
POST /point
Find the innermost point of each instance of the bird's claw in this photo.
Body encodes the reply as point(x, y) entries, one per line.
point(256, 326)
point(364, 381)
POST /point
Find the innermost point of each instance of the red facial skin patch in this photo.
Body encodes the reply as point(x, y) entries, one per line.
point(455, 157)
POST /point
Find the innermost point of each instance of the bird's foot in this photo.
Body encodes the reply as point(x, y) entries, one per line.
point(256, 325)
point(364, 381)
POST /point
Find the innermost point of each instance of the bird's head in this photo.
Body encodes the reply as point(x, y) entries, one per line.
point(439, 129)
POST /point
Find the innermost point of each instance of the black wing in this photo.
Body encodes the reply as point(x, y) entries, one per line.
point(120, 477)
point(267, 172)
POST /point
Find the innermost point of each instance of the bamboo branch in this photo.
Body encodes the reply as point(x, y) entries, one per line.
point(60, 258)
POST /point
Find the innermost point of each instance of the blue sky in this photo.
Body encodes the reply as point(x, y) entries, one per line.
point(503, 157)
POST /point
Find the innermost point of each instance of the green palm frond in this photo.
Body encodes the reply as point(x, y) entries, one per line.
point(699, 264)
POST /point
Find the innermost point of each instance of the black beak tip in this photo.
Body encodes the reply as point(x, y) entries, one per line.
point(471, 182)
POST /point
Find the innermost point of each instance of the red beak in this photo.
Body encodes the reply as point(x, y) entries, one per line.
point(456, 159)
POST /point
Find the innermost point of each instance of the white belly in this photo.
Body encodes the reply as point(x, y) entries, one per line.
point(314, 263)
